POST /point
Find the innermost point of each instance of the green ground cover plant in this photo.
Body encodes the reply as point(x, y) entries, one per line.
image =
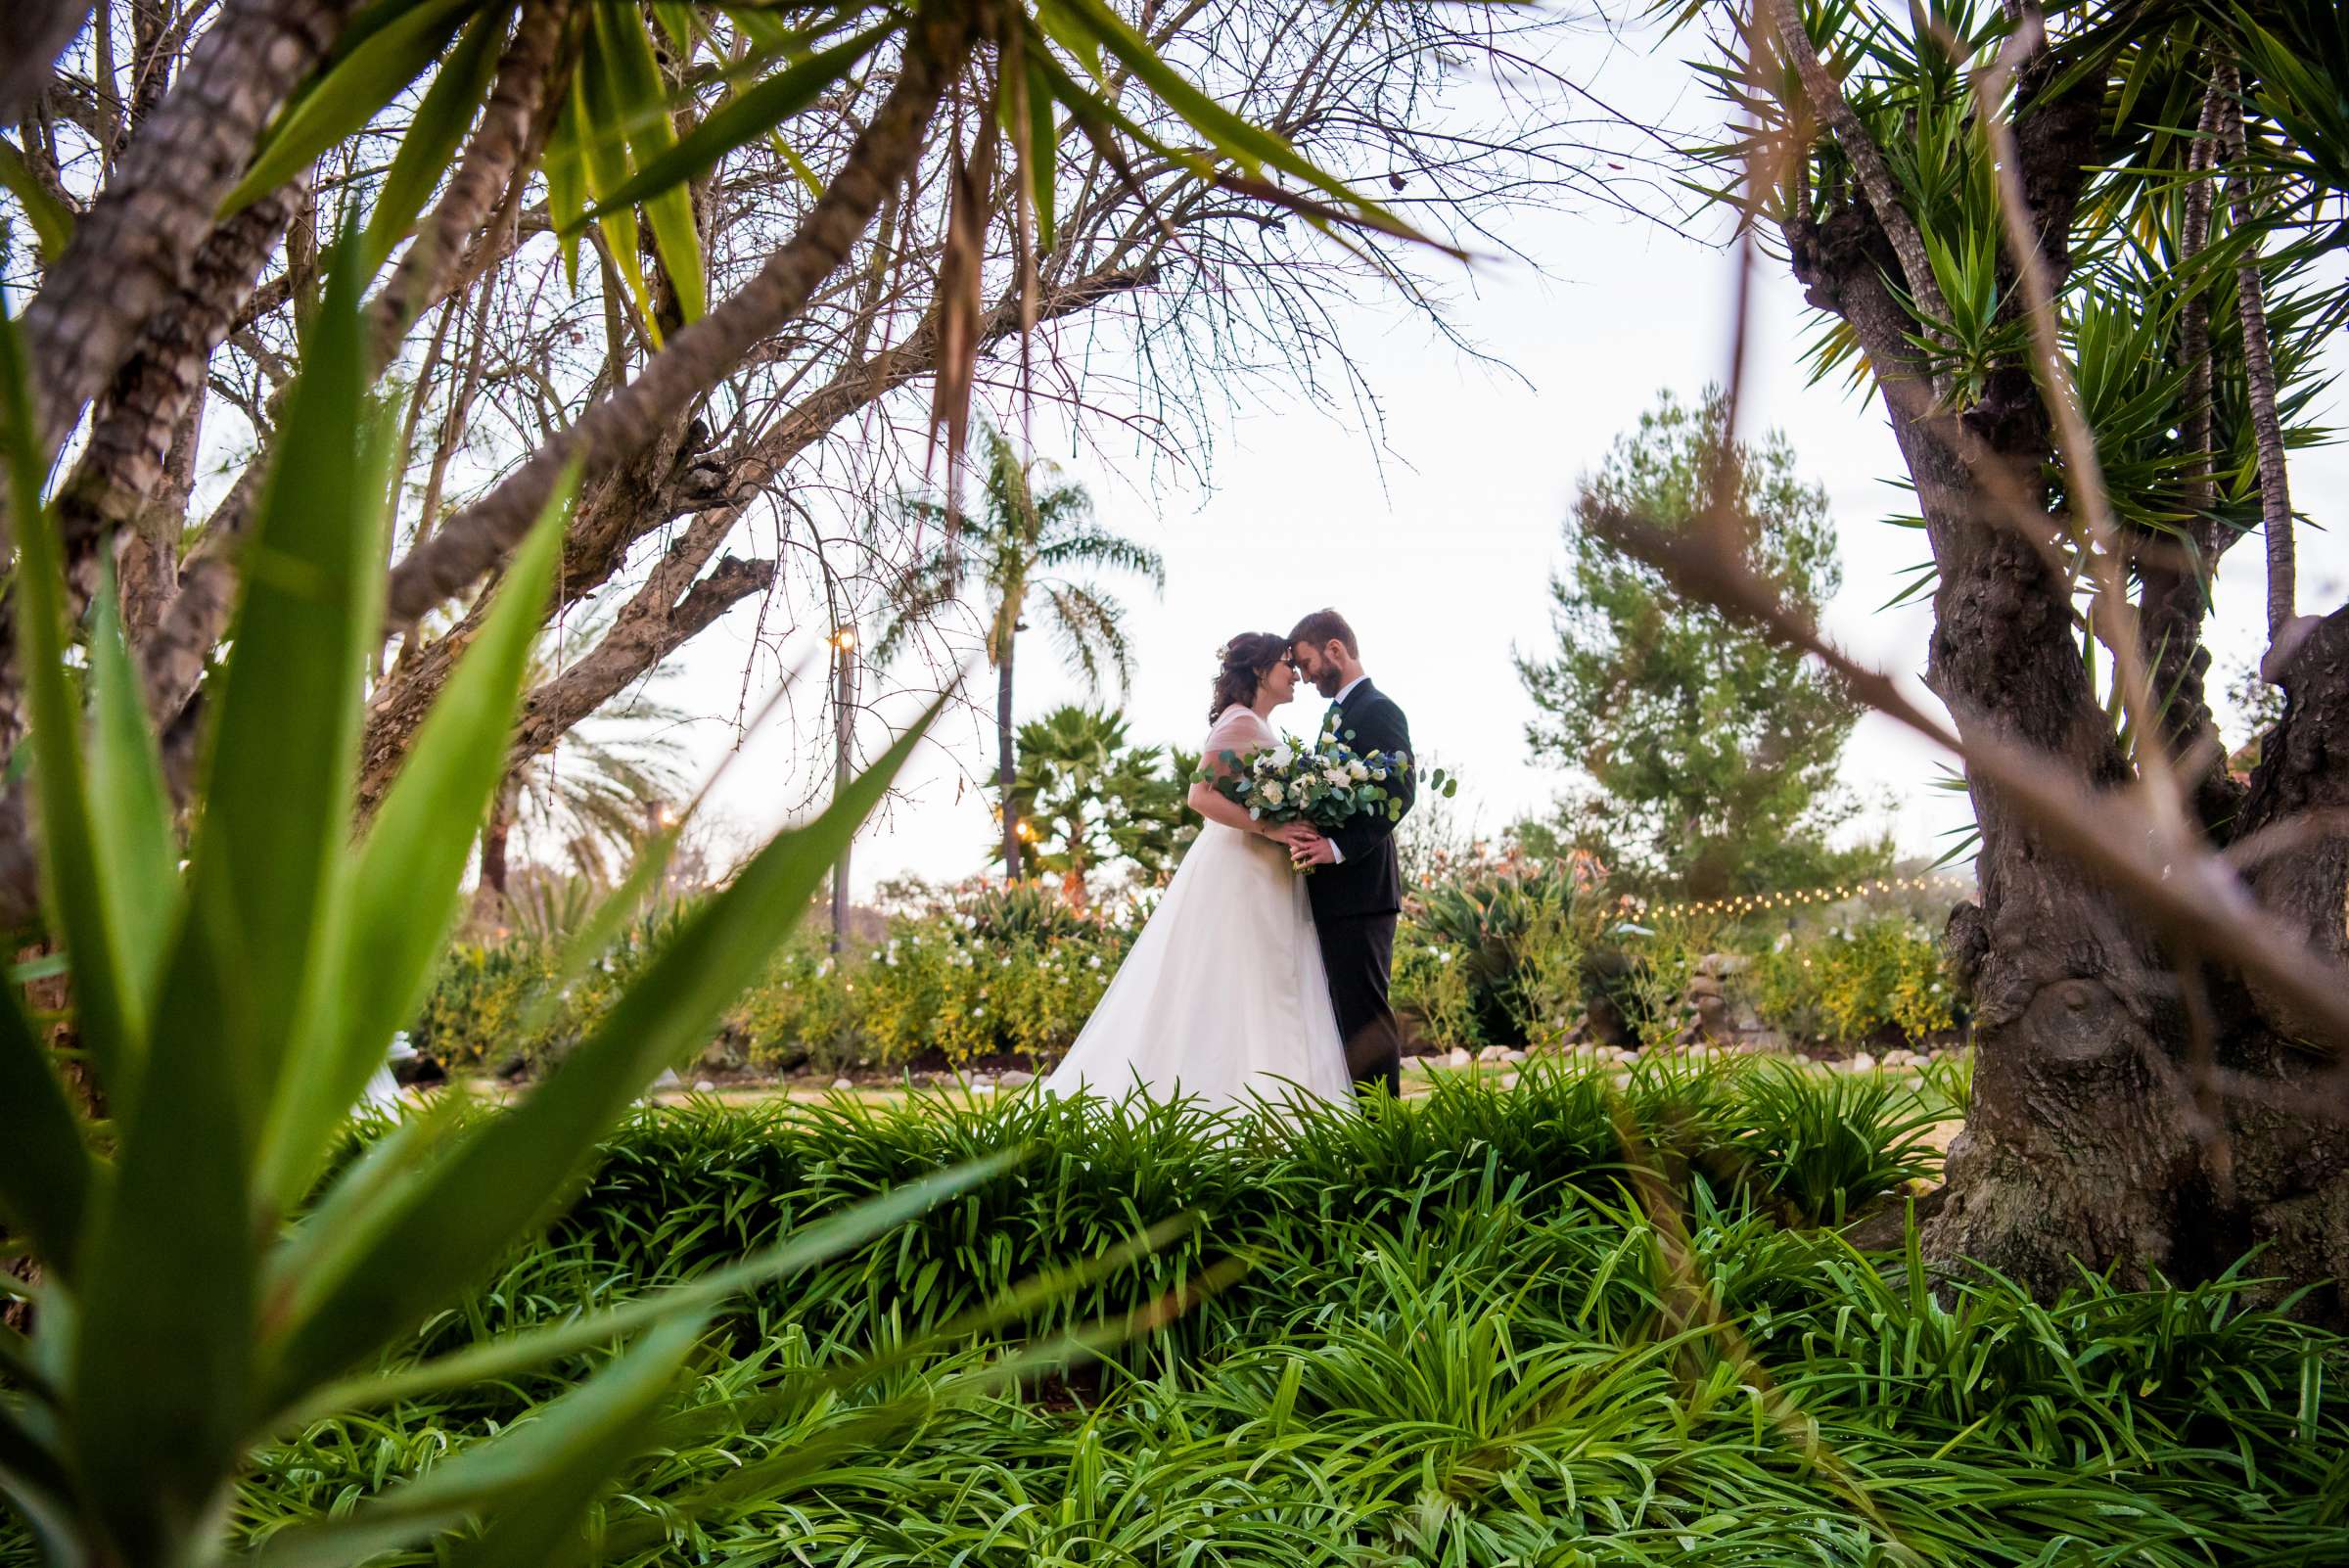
point(1450, 1332)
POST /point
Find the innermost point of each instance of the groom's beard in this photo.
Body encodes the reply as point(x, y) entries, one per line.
point(1328, 684)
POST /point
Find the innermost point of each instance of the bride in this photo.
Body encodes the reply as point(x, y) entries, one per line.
point(1222, 999)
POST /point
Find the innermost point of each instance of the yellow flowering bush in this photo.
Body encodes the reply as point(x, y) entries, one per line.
point(1500, 956)
point(965, 983)
point(1851, 981)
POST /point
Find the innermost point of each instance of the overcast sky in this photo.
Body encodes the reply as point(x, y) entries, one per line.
point(1438, 542)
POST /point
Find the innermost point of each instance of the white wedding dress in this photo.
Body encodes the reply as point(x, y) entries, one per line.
point(1223, 998)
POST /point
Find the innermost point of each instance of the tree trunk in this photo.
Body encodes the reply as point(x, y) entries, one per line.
point(494, 843)
point(1006, 770)
point(2175, 571)
point(2259, 373)
point(2098, 1136)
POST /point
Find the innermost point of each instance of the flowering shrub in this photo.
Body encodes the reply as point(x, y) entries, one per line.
point(1492, 949)
point(1853, 980)
point(1435, 989)
point(1503, 949)
point(487, 993)
point(964, 973)
point(473, 1017)
point(1509, 948)
point(943, 982)
point(803, 1011)
point(1650, 986)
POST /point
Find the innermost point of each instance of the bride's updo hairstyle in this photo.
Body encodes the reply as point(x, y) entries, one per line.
point(1244, 663)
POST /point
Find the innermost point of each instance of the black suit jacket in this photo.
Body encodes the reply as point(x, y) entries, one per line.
point(1369, 879)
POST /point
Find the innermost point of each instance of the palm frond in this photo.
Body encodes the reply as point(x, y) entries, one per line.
point(1088, 629)
point(1098, 548)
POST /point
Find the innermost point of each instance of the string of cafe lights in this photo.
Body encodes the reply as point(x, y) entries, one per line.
point(1770, 902)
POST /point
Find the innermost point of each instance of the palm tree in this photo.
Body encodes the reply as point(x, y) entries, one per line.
point(1028, 537)
point(1084, 798)
point(601, 787)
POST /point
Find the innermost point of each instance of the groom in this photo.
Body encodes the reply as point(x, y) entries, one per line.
point(1356, 886)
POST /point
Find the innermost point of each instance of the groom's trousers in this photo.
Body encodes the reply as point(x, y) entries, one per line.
point(1359, 952)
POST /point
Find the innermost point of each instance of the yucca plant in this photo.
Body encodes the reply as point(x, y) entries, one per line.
point(203, 1282)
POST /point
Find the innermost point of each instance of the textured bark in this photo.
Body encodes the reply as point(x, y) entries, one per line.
point(476, 539)
point(2095, 1135)
point(494, 836)
point(432, 267)
point(2303, 779)
point(667, 612)
point(131, 253)
point(147, 554)
point(172, 657)
point(126, 467)
point(152, 42)
point(2077, 1143)
point(139, 462)
point(2174, 571)
point(1877, 183)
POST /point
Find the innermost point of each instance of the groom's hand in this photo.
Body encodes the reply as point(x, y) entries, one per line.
point(1313, 850)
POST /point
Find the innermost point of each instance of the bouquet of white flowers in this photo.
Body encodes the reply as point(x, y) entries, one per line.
point(1327, 784)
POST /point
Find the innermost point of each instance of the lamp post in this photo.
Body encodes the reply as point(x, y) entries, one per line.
point(844, 730)
point(657, 818)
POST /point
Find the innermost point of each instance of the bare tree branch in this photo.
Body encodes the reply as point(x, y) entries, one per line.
point(132, 251)
point(651, 626)
point(432, 265)
point(479, 537)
